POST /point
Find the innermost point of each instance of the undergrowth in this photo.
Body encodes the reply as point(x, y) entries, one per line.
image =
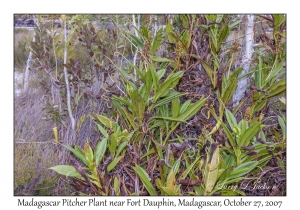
point(153, 107)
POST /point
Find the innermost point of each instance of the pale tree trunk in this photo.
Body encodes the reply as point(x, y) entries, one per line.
point(136, 184)
point(67, 81)
point(246, 60)
point(28, 65)
point(137, 34)
point(29, 60)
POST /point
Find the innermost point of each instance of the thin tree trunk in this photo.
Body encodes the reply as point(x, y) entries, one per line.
point(136, 33)
point(67, 82)
point(29, 60)
point(28, 65)
point(136, 184)
point(134, 24)
point(138, 23)
point(246, 60)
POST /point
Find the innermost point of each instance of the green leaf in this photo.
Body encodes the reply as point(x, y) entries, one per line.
point(59, 49)
point(278, 20)
point(138, 70)
point(224, 33)
point(77, 154)
point(170, 83)
point(184, 106)
point(229, 161)
point(262, 135)
point(171, 96)
point(213, 42)
point(129, 117)
point(157, 123)
point(113, 164)
point(169, 28)
point(100, 150)
point(150, 152)
point(121, 147)
point(244, 125)
point(229, 91)
point(243, 169)
point(249, 134)
point(169, 191)
point(79, 149)
point(227, 182)
point(186, 39)
point(161, 73)
point(274, 72)
point(159, 59)
point(230, 119)
point(209, 71)
point(277, 88)
point(145, 179)
point(174, 35)
point(171, 181)
point(137, 41)
point(234, 24)
point(122, 101)
point(187, 171)
point(175, 107)
point(263, 161)
point(219, 18)
point(192, 109)
point(112, 145)
point(66, 170)
point(145, 32)
point(174, 168)
point(259, 105)
point(185, 21)
point(119, 109)
point(89, 155)
point(235, 73)
point(116, 185)
point(258, 73)
point(216, 61)
point(228, 133)
point(176, 119)
point(211, 169)
point(156, 42)
point(204, 27)
point(281, 163)
point(283, 127)
point(107, 122)
point(210, 17)
point(140, 111)
point(187, 114)
point(102, 130)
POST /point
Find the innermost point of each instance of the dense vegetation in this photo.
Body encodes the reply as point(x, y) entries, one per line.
point(144, 105)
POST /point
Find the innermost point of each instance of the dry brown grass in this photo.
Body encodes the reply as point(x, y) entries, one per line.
point(35, 149)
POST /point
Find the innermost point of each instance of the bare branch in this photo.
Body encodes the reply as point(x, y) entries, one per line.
point(67, 81)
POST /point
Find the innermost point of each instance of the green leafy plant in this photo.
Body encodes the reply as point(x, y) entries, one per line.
point(172, 129)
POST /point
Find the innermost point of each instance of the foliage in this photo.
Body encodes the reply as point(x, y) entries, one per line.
point(160, 102)
point(22, 39)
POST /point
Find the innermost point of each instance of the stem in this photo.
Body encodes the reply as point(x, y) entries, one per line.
point(28, 65)
point(29, 60)
point(246, 60)
point(137, 27)
point(54, 50)
point(67, 82)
